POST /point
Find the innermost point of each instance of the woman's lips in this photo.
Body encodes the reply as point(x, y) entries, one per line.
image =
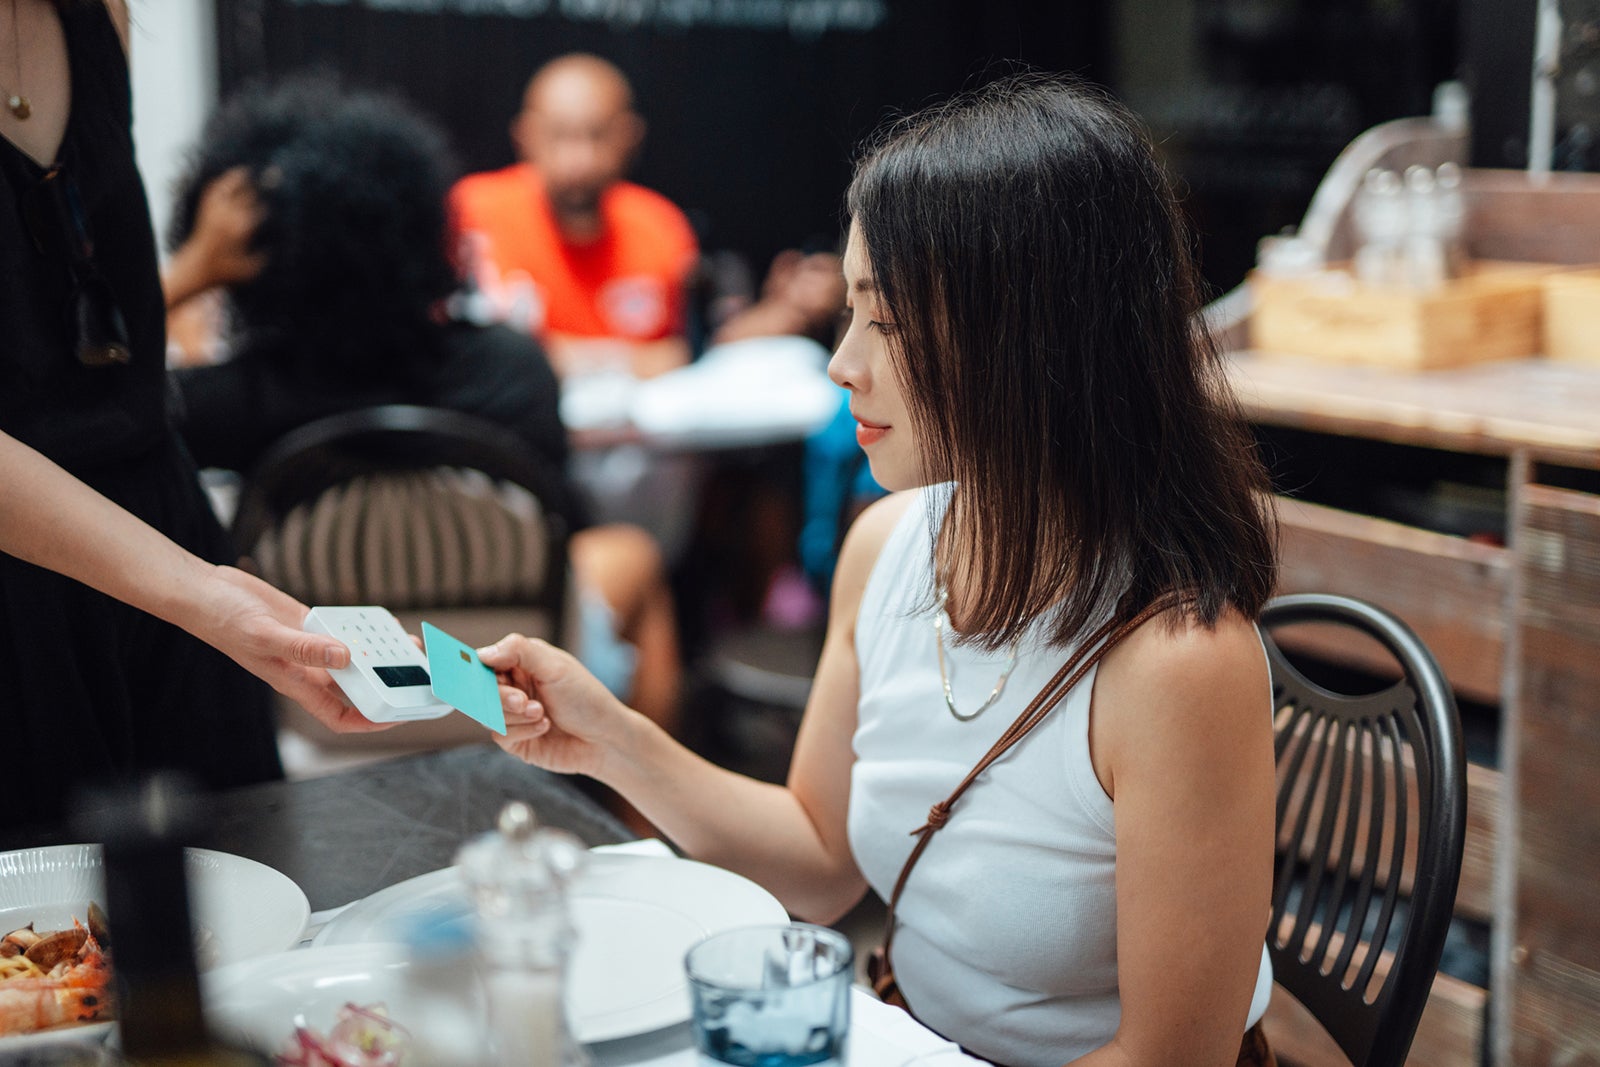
point(869, 434)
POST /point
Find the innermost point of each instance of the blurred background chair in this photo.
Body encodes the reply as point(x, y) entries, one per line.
point(1371, 818)
point(433, 514)
point(755, 675)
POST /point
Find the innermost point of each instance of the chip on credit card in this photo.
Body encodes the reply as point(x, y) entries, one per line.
point(462, 680)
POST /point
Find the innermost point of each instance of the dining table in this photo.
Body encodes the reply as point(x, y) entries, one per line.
point(344, 836)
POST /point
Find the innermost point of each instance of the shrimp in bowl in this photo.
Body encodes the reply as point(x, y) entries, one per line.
point(55, 979)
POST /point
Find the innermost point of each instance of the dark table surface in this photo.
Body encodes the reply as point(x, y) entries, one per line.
point(350, 834)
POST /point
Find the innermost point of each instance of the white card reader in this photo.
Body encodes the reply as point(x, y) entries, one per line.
point(387, 679)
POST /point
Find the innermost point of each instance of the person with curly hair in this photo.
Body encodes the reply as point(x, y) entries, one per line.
point(321, 215)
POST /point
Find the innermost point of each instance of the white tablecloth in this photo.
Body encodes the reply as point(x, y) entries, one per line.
point(880, 1036)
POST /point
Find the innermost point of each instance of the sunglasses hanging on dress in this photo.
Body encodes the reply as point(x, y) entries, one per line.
point(60, 226)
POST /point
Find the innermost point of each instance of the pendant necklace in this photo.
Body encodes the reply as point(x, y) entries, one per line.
point(16, 103)
point(944, 672)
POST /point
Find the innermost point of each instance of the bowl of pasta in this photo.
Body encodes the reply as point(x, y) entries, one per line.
point(58, 949)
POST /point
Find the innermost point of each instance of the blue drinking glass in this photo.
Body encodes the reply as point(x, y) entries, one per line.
point(771, 996)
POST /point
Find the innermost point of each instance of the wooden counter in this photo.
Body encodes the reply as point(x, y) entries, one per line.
point(1546, 412)
point(1515, 625)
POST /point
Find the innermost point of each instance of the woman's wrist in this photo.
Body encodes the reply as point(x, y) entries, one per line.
point(632, 753)
point(184, 278)
point(192, 595)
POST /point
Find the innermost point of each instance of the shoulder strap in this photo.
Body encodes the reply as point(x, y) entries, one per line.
point(1071, 673)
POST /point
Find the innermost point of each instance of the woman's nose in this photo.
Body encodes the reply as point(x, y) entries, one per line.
point(843, 368)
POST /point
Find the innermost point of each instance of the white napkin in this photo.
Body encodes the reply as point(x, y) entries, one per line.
point(880, 1034)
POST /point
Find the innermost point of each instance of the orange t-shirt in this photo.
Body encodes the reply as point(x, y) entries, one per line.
point(629, 283)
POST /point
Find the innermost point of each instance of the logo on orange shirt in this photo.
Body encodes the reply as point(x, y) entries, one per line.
point(635, 307)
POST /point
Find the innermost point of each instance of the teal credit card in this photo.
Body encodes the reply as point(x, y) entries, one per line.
point(461, 679)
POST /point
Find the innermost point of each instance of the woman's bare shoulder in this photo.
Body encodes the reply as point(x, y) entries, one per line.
point(865, 540)
point(1182, 650)
point(1180, 684)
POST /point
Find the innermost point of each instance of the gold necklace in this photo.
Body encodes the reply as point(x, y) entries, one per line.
point(17, 103)
point(944, 674)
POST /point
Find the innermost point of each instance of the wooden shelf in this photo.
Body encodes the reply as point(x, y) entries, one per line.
point(1543, 410)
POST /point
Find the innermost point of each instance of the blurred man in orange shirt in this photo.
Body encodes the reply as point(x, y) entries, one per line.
point(562, 246)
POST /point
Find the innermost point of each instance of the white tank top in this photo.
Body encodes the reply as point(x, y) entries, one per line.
point(1006, 931)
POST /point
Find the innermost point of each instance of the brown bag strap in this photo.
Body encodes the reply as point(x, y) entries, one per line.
point(1071, 673)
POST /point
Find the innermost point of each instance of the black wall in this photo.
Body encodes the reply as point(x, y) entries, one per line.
point(1260, 96)
point(755, 106)
point(753, 111)
point(1497, 66)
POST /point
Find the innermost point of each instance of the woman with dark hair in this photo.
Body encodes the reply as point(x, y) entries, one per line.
point(321, 213)
point(1077, 851)
point(94, 485)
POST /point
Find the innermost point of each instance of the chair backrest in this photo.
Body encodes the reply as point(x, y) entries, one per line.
point(1371, 823)
point(409, 507)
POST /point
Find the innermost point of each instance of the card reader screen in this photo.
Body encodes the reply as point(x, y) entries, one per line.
point(400, 677)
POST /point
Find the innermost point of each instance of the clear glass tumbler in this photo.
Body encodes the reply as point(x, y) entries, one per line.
point(772, 996)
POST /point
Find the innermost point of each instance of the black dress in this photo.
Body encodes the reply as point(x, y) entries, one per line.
point(91, 689)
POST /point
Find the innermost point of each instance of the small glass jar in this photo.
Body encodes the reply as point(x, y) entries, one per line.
point(517, 876)
point(1380, 217)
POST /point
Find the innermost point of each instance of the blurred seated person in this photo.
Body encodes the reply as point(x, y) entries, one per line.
point(803, 295)
point(562, 246)
point(322, 216)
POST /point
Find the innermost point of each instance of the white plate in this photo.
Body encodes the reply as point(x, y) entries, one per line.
point(90, 1034)
point(241, 909)
point(255, 1002)
point(636, 917)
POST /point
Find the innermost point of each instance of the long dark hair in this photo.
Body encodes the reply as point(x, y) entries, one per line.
point(353, 190)
point(1030, 252)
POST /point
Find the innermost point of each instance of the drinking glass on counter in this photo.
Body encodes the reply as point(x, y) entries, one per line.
point(771, 996)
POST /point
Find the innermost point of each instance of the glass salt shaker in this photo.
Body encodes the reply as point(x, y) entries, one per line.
point(517, 876)
point(1426, 266)
point(1380, 217)
point(1451, 208)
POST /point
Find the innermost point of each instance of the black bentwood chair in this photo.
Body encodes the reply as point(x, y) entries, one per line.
point(1371, 824)
point(414, 508)
point(434, 514)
